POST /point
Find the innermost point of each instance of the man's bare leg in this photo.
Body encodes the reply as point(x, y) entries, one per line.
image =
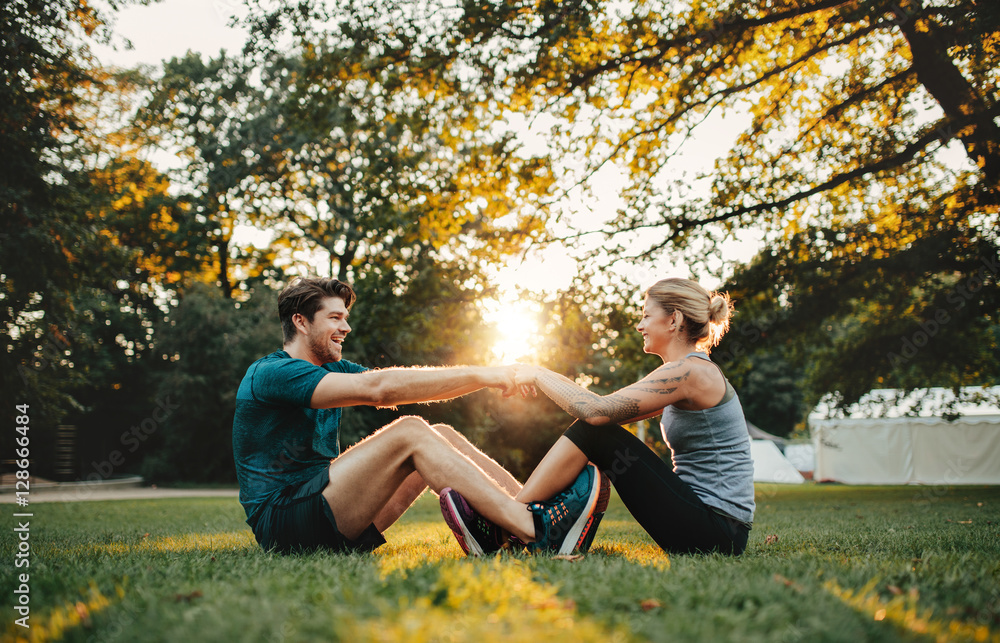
point(492, 468)
point(415, 485)
point(411, 489)
point(557, 470)
point(367, 477)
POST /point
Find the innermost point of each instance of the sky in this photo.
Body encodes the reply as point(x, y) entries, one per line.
point(171, 28)
point(163, 30)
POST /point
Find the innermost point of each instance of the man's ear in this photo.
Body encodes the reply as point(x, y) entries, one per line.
point(300, 322)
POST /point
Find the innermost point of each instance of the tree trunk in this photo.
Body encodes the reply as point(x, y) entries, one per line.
point(345, 261)
point(969, 117)
point(224, 282)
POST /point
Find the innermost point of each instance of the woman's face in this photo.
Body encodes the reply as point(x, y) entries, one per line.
point(655, 327)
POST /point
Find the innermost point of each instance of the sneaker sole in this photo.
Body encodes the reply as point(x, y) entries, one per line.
point(577, 533)
point(462, 535)
point(587, 537)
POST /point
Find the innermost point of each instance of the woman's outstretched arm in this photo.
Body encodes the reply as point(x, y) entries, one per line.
point(638, 401)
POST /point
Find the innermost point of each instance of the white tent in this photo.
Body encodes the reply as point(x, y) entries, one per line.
point(757, 433)
point(769, 465)
point(803, 457)
point(921, 438)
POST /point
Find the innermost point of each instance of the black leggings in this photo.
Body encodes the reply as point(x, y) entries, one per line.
point(658, 499)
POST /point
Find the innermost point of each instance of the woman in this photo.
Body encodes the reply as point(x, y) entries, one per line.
point(705, 502)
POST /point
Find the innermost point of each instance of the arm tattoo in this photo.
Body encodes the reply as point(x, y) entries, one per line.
point(661, 385)
point(583, 404)
point(618, 407)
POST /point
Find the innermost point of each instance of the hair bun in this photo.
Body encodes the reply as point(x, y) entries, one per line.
point(706, 314)
point(720, 308)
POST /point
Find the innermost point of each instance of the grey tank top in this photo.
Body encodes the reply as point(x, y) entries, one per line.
point(710, 450)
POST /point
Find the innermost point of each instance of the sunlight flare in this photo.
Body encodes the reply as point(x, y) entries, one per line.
point(516, 329)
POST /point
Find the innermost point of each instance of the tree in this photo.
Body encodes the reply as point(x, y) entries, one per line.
point(370, 166)
point(74, 205)
point(402, 194)
point(41, 219)
point(757, 355)
point(220, 118)
point(844, 96)
point(851, 314)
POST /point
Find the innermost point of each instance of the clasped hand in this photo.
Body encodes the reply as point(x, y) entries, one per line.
point(516, 378)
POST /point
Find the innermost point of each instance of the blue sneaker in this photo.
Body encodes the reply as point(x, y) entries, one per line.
point(568, 521)
point(476, 535)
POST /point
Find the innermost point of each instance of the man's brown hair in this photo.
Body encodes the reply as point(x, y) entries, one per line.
point(304, 296)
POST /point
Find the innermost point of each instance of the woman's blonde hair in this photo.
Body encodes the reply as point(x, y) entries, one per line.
point(706, 314)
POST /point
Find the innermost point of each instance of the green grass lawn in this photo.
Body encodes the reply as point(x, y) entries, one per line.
point(825, 563)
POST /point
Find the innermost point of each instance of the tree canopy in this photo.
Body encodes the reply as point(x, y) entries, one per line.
point(869, 163)
point(74, 206)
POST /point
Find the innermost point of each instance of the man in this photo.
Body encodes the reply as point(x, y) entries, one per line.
point(300, 492)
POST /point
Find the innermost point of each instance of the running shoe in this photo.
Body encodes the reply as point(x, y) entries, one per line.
point(476, 535)
point(568, 521)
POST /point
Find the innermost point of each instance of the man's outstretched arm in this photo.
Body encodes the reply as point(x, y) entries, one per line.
point(395, 386)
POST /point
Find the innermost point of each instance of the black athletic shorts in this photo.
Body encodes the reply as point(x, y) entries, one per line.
point(300, 519)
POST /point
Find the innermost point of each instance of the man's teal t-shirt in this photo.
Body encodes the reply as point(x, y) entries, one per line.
point(277, 439)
